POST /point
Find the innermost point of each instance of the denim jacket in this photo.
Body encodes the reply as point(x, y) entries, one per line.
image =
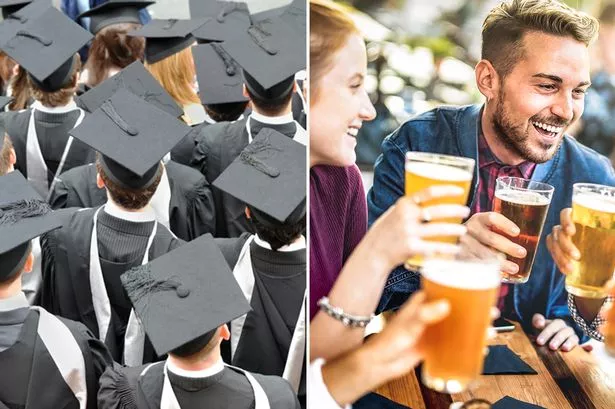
point(453, 131)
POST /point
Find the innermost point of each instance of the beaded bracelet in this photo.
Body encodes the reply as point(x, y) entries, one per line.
point(337, 313)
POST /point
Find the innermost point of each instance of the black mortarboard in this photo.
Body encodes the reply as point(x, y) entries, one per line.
point(136, 79)
point(226, 19)
point(132, 137)
point(270, 53)
point(185, 295)
point(219, 76)
point(269, 176)
point(17, 19)
point(11, 6)
point(45, 47)
point(163, 38)
point(24, 215)
point(115, 12)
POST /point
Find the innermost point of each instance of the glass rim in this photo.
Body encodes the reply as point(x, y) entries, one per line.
point(440, 158)
point(541, 186)
point(591, 185)
point(489, 269)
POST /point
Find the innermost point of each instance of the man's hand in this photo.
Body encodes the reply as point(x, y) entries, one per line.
point(482, 242)
point(560, 245)
point(556, 333)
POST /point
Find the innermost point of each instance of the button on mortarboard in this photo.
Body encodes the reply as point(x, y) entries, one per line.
point(45, 47)
point(24, 215)
point(136, 79)
point(115, 12)
point(270, 52)
point(269, 175)
point(219, 76)
point(132, 136)
point(226, 19)
point(163, 38)
point(185, 294)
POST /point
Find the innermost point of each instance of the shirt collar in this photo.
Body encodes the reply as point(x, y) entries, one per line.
point(297, 245)
point(12, 303)
point(148, 215)
point(272, 120)
point(487, 158)
point(203, 373)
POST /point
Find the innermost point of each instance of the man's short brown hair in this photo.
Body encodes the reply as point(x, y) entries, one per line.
point(506, 25)
point(62, 96)
point(131, 199)
point(5, 155)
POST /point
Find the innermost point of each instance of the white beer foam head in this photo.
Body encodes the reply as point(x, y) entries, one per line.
point(595, 201)
point(522, 197)
point(438, 171)
point(463, 274)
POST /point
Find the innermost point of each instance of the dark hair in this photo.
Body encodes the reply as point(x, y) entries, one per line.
point(281, 235)
point(226, 112)
point(274, 107)
point(5, 155)
point(131, 199)
point(202, 345)
point(507, 24)
point(112, 48)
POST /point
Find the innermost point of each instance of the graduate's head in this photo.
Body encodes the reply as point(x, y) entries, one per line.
point(111, 50)
point(176, 74)
point(274, 232)
point(273, 101)
point(59, 88)
point(227, 112)
point(24, 215)
point(127, 197)
point(534, 74)
point(339, 103)
point(7, 155)
point(184, 298)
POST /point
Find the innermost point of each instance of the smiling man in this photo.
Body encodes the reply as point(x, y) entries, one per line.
point(534, 74)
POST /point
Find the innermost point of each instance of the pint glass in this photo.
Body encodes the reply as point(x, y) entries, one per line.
point(525, 203)
point(454, 347)
point(593, 213)
point(428, 169)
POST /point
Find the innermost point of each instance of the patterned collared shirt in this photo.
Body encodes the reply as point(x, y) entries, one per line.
point(490, 168)
point(590, 328)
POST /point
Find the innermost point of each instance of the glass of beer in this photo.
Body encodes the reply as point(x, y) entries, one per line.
point(455, 347)
point(593, 213)
point(525, 203)
point(429, 169)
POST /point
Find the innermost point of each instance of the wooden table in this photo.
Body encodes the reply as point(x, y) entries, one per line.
point(567, 380)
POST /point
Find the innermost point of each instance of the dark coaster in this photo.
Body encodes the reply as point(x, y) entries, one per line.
point(375, 401)
point(501, 361)
point(511, 403)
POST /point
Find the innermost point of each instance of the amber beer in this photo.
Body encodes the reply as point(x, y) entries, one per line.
point(428, 169)
point(593, 213)
point(525, 203)
point(454, 348)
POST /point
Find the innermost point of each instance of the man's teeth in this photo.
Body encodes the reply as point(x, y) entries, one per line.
point(548, 128)
point(352, 131)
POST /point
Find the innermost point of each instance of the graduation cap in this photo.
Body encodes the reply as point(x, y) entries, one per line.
point(115, 12)
point(11, 6)
point(182, 297)
point(270, 53)
point(17, 19)
point(269, 176)
point(24, 215)
point(226, 18)
point(163, 38)
point(132, 137)
point(136, 79)
point(45, 47)
point(219, 76)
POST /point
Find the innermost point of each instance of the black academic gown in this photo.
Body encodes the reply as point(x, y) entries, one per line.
point(191, 209)
point(183, 151)
point(217, 147)
point(279, 288)
point(66, 290)
point(52, 131)
point(126, 388)
point(29, 377)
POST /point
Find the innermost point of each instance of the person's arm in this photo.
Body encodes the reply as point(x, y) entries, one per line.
point(398, 235)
